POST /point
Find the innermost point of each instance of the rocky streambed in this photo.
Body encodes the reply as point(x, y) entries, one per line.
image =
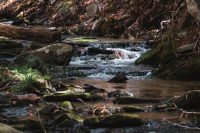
point(101, 90)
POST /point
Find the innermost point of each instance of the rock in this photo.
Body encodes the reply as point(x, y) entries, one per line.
point(132, 109)
point(10, 48)
point(48, 109)
point(93, 89)
point(119, 93)
point(73, 97)
point(114, 121)
point(189, 100)
point(185, 48)
point(66, 105)
point(135, 49)
point(54, 54)
point(67, 120)
point(96, 51)
point(7, 129)
point(119, 78)
point(132, 100)
point(30, 124)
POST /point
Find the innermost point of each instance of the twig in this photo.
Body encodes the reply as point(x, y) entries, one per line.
point(196, 43)
point(179, 125)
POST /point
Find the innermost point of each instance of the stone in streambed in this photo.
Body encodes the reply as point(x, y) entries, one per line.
point(119, 93)
point(48, 109)
point(119, 78)
point(72, 97)
point(114, 121)
point(189, 100)
point(133, 100)
point(93, 89)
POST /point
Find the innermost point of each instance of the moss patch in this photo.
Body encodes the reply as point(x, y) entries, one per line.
point(124, 120)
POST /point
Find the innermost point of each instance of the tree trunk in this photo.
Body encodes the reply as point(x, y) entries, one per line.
point(36, 34)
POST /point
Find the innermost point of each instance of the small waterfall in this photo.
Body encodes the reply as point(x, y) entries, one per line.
point(108, 59)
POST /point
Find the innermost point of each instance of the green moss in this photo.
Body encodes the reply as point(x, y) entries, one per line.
point(149, 58)
point(162, 53)
point(84, 39)
point(72, 97)
point(26, 77)
point(66, 105)
point(125, 120)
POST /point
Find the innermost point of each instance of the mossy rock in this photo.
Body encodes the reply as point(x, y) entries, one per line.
point(132, 100)
point(114, 121)
point(73, 97)
point(66, 105)
point(67, 120)
point(7, 129)
point(149, 58)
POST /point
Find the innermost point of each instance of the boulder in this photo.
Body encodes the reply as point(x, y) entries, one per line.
point(54, 54)
point(189, 100)
point(119, 93)
point(7, 129)
point(119, 78)
point(114, 121)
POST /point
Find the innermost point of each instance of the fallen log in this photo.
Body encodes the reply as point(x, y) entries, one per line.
point(35, 34)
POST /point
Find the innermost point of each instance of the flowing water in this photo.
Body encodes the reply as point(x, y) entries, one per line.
point(96, 63)
point(107, 60)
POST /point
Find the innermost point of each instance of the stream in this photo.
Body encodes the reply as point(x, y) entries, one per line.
point(96, 63)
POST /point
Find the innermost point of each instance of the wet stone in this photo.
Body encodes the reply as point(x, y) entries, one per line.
point(119, 93)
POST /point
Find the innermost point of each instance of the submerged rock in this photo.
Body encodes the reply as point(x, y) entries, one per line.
point(189, 100)
point(119, 93)
point(115, 121)
point(132, 100)
point(74, 97)
point(119, 78)
point(7, 129)
point(91, 88)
